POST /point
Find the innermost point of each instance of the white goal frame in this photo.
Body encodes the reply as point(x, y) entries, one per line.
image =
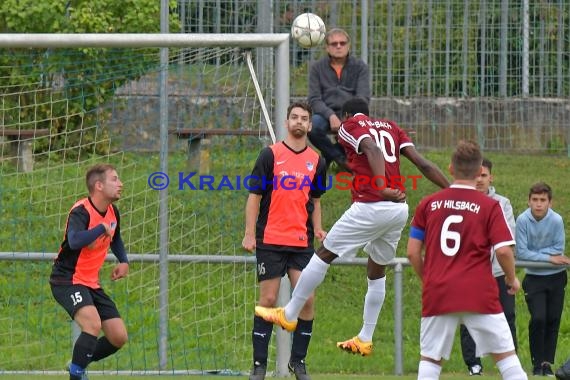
point(280, 43)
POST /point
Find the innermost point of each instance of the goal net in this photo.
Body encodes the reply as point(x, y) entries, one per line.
point(66, 106)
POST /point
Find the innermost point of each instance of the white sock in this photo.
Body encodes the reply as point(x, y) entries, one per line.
point(428, 370)
point(511, 369)
point(311, 277)
point(372, 305)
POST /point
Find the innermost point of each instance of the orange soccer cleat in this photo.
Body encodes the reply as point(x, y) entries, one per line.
point(275, 316)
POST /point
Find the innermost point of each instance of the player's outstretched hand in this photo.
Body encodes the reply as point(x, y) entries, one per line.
point(120, 271)
point(248, 243)
point(513, 286)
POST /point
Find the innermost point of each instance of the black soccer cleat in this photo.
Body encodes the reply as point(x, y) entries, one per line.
point(258, 371)
point(299, 370)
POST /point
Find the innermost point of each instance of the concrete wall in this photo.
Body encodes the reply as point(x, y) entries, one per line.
point(538, 125)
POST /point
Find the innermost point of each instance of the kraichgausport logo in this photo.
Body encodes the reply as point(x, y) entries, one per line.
point(283, 180)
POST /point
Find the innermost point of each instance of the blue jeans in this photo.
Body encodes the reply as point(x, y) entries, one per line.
point(320, 139)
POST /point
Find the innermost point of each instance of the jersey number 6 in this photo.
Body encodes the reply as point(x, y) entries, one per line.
point(447, 234)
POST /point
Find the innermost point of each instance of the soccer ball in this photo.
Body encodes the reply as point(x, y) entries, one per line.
point(308, 30)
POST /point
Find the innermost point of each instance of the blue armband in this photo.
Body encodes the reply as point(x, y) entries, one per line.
point(417, 233)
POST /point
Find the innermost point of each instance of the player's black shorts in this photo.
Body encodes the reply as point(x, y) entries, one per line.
point(74, 297)
point(272, 264)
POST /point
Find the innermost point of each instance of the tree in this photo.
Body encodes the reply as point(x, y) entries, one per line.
point(63, 89)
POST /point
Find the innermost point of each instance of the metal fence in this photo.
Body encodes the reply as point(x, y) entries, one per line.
point(423, 48)
point(494, 70)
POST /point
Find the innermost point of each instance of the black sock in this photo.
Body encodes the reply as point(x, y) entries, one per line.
point(83, 350)
point(260, 337)
point(103, 349)
point(301, 339)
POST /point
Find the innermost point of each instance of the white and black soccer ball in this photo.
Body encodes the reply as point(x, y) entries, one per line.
point(308, 30)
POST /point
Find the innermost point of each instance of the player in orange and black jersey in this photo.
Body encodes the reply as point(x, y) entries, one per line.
point(283, 216)
point(93, 226)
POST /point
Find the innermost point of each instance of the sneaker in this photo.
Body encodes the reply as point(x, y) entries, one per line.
point(258, 371)
point(476, 370)
point(547, 370)
point(275, 316)
point(356, 346)
point(299, 370)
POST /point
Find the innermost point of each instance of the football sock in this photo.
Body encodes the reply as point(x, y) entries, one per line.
point(311, 277)
point(82, 353)
point(511, 369)
point(260, 337)
point(301, 339)
point(428, 370)
point(103, 349)
point(372, 305)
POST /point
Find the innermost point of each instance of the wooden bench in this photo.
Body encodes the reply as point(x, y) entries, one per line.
point(21, 145)
point(199, 143)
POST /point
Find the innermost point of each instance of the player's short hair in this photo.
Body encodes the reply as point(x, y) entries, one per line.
point(540, 188)
point(355, 105)
point(466, 160)
point(97, 173)
point(334, 31)
point(301, 105)
point(488, 164)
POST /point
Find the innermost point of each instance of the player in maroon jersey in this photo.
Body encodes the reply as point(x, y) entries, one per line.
point(458, 227)
point(374, 221)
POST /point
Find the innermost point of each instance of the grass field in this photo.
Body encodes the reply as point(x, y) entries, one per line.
point(33, 328)
point(449, 376)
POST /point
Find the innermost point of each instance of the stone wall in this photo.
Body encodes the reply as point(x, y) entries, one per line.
point(538, 125)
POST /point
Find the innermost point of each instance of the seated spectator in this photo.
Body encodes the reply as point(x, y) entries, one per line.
point(333, 80)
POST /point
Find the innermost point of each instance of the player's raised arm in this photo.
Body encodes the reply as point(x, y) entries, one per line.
point(426, 167)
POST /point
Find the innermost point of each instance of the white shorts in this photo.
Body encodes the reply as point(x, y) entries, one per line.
point(490, 332)
point(375, 226)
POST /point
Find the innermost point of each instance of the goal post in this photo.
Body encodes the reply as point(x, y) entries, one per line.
point(137, 218)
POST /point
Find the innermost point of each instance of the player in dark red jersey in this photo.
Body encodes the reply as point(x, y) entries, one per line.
point(458, 227)
point(93, 226)
point(374, 220)
point(283, 216)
